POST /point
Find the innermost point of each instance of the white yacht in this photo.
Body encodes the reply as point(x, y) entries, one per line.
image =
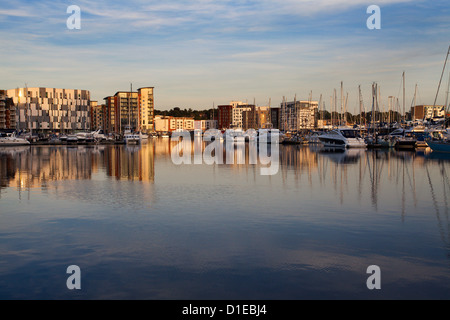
point(342, 138)
point(143, 136)
point(131, 138)
point(13, 140)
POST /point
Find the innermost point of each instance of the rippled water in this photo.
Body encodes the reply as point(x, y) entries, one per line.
point(141, 227)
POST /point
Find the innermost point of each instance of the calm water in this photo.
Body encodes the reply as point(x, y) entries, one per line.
point(140, 227)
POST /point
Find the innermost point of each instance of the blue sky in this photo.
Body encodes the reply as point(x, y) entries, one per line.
point(200, 53)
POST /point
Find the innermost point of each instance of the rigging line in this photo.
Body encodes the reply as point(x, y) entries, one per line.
point(444, 175)
point(411, 185)
point(433, 196)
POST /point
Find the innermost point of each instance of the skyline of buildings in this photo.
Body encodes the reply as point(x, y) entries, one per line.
point(55, 109)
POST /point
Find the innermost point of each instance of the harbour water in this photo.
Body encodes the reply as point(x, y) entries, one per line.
point(141, 227)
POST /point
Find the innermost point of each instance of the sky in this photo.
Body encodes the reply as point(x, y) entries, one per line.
point(203, 53)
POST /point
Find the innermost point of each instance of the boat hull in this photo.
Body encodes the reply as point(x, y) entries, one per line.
point(439, 146)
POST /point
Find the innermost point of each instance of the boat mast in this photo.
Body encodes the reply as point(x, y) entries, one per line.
point(335, 107)
point(360, 110)
point(28, 109)
point(331, 111)
point(415, 94)
point(320, 109)
point(342, 102)
point(440, 80)
point(373, 106)
point(404, 115)
point(446, 99)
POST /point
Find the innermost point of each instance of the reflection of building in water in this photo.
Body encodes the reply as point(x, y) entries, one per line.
point(134, 163)
point(297, 160)
point(25, 167)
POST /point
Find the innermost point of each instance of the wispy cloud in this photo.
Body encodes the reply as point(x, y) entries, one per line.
point(208, 50)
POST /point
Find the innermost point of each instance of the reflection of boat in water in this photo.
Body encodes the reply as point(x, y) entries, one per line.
point(14, 150)
point(342, 138)
point(342, 155)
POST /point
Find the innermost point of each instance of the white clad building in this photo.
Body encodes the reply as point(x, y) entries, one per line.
point(51, 109)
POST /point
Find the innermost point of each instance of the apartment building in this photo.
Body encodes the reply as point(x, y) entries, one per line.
point(50, 109)
point(98, 116)
point(7, 112)
point(130, 110)
point(169, 124)
point(298, 115)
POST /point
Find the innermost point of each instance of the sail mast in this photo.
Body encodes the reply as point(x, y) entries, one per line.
point(404, 115)
point(440, 80)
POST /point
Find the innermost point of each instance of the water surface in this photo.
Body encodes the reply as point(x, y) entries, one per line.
point(141, 227)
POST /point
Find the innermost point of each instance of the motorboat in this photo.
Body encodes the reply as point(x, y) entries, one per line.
point(313, 137)
point(405, 139)
point(439, 140)
point(13, 140)
point(420, 133)
point(131, 138)
point(342, 138)
point(72, 138)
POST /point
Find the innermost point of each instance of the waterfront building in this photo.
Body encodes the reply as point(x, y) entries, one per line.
point(298, 115)
point(237, 120)
point(7, 112)
point(421, 112)
point(170, 124)
point(275, 118)
point(98, 116)
point(131, 110)
point(50, 109)
point(225, 117)
point(249, 117)
point(244, 116)
point(263, 117)
point(205, 124)
point(146, 105)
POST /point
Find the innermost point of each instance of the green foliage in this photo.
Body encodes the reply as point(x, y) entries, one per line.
point(188, 113)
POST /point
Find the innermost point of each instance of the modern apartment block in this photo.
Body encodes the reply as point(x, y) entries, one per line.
point(263, 117)
point(130, 110)
point(169, 124)
point(7, 112)
point(225, 116)
point(275, 118)
point(421, 112)
point(238, 116)
point(51, 109)
point(298, 115)
point(146, 109)
point(205, 124)
point(98, 116)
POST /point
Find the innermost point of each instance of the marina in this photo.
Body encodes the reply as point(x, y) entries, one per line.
point(310, 231)
point(230, 158)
